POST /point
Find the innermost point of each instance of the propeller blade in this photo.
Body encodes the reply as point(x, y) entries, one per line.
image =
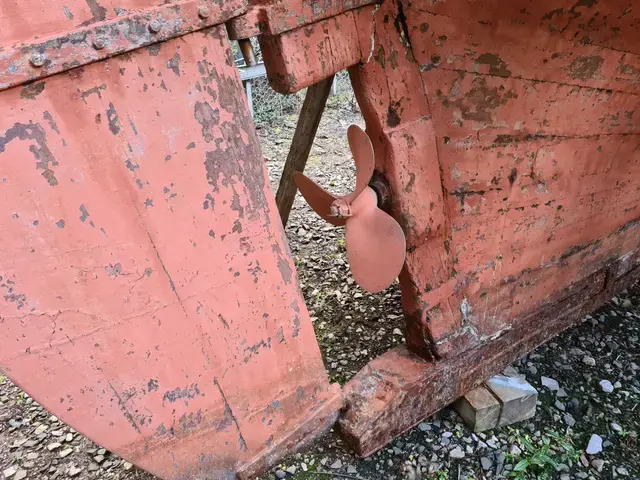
point(318, 198)
point(362, 151)
point(376, 245)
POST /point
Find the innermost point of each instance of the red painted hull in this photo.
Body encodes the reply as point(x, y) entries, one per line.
point(148, 296)
point(509, 134)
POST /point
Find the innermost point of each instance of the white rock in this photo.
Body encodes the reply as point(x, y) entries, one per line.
point(457, 453)
point(606, 386)
point(424, 427)
point(337, 464)
point(615, 427)
point(73, 471)
point(397, 331)
point(515, 450)
point(66, 452)
point(595, 444)
point(20, 474)
point(493, 442)
point(590, 361)
point(9, 472)
point(623, 471)
point(569, 420)
point(550, 383)
point(597, 464)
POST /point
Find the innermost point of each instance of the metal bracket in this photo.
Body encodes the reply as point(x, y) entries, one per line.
point(29, 61)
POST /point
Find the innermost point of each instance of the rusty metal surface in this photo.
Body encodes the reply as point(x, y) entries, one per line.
point(508, 167)
point(398, 389)
point(151, 301)
point(40, 57)
point(302, 57)
point(147, 295)
point(275, 17)
point(510, 137)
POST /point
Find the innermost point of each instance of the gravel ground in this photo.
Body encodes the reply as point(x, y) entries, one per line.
point(587, 378)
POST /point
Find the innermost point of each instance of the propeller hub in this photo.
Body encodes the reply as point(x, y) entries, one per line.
point(340, 208)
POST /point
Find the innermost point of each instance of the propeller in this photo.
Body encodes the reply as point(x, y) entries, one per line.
point(376, 245)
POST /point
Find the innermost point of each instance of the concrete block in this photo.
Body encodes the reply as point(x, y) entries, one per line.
point(516, 396)
point(479, 409)
point(503, 400)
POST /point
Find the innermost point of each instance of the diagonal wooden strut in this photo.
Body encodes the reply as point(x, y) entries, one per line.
point(310, 114)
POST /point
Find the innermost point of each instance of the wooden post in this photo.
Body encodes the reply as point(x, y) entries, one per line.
point(247, 52)
point(303, 137)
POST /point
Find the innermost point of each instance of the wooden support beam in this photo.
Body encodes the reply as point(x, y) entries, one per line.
point(310, 114)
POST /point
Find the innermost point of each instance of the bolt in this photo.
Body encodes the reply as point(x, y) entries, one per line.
point(204, 12)
point(37, 60)
point(154, 26)
point(99, 43)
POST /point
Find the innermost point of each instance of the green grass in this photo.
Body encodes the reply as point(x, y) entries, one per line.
point(540, 460)
point(439, 475)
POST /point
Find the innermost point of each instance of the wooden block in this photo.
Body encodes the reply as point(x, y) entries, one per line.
point(479, 409)
point(516, 396)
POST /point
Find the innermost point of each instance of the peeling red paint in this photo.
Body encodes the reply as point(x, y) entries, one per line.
point(512, 166)
point(171, 356)
point(277, 17)
point(48, 52)
point(514, 171)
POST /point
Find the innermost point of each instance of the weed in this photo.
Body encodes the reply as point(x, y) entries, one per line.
point(541, 461)
point(439, 475)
